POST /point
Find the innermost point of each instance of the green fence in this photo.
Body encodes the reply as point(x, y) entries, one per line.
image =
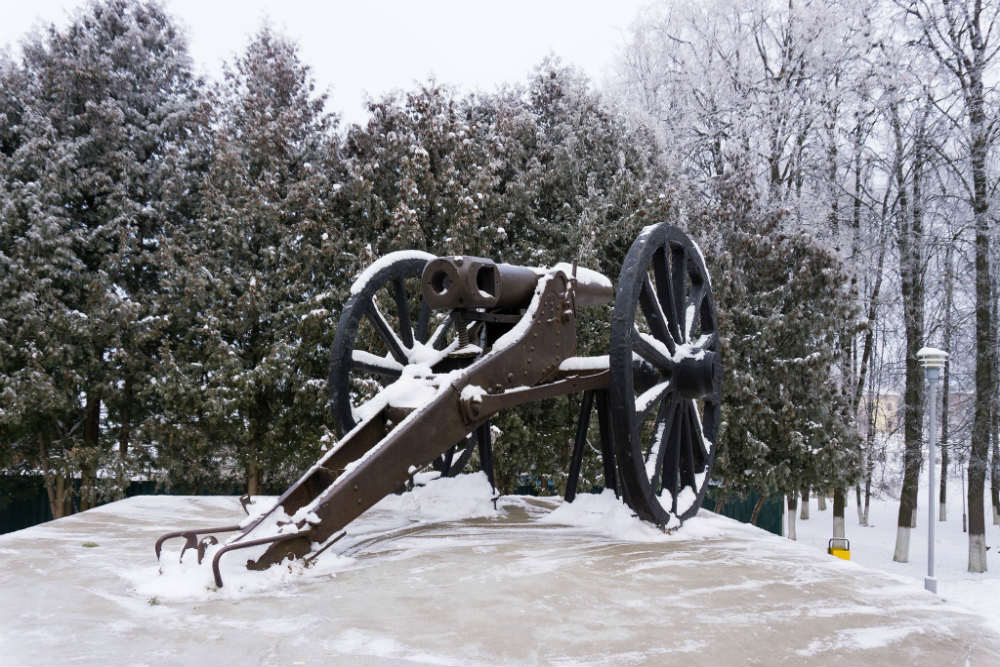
point(771, 517)
point(24, 503)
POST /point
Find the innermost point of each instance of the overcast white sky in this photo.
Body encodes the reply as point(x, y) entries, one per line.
point(367, 48)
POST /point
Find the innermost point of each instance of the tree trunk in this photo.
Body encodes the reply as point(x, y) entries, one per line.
point(996, 466)
point(253, 479)
point(91, 440)
point(868, 492)
point(984, 327)
point(821, 500)
point(909, 237)
point(805, 504)
point(55, 485)
point(949, 278)
point(720, 500)
point(857, 502)
point(995, 409)
point(124, 436)
point(839, 505)
point(756, 509)
point(790, 514)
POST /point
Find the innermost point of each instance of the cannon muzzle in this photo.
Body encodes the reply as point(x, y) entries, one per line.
point(476, 282)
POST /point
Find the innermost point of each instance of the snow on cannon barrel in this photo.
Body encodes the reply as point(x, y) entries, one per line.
point(428, 349)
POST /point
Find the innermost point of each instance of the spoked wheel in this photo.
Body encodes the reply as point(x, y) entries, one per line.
point(386, 326)
point(665, 376)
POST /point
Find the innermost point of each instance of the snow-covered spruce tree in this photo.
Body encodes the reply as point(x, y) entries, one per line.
point(418, 174)
point(263, 273)
point(577, 182)
point(108, 106)
point(782, 305)
point(39, 384)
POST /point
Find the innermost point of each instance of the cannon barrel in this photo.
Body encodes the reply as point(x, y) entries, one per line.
point(476, 282)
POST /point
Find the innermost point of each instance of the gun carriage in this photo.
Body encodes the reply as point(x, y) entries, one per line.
point(428, 349)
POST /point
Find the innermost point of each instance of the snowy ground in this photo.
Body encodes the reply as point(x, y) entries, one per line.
point(873, 547)
point(442, 577)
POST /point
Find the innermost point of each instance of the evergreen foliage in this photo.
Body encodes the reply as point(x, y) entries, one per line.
point(783, 305)
point(174, 257)
point(264, 268)
point(95, 172)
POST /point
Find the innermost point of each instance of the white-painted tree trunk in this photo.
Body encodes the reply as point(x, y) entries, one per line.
point(804, 512)
point(790, 528)
point(838, 527)
point(942, 511)
point(902, 553)
point(862, 519)
point(977, 553)
point(913, 518)
point(821, 501)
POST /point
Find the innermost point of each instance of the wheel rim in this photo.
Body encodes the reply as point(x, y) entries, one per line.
point(666, 376)
point(385, 326)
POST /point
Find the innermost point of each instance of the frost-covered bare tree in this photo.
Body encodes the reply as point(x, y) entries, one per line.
point(861, 118)
point(762, 83)
point(963, 37)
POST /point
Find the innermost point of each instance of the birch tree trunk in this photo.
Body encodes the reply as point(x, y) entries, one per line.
point(909, 233)
point(839, 507)
point(984, 327)
point(790, 515)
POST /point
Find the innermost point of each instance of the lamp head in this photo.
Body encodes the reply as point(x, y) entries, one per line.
point(932, 358)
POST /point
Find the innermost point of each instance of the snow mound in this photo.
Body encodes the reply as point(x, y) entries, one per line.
point(444, 499)
point(188, 581)
point(607, 515)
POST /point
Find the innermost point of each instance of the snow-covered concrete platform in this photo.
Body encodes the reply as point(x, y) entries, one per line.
point(441, 577)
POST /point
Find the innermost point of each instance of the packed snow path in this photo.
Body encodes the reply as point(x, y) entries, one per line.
point(440, 577)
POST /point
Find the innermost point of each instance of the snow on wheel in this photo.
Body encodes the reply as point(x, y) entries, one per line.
point(665, 376)
point(385, 327)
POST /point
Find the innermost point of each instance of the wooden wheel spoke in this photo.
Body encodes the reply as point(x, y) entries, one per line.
point(671, 461)
point(693, 309)
point(371, 363)
point(678, 276)
point(386, 333)
point(666, 301)
point(647, 400)
point(661, 431)
point(423, 321)
point(707, 315)
point(710, 424)
point(403, 309)
point(655, 317)
point(652, 350)
point(687, 450)
point(698, 435)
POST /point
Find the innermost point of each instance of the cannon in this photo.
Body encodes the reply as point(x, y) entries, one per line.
point(428, 349)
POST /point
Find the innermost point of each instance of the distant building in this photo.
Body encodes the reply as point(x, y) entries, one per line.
point(888, 417)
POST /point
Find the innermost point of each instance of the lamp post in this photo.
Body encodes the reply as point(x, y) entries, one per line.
point(933, 360)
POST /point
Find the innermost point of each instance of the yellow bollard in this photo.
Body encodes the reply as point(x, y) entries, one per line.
point(839, 547)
